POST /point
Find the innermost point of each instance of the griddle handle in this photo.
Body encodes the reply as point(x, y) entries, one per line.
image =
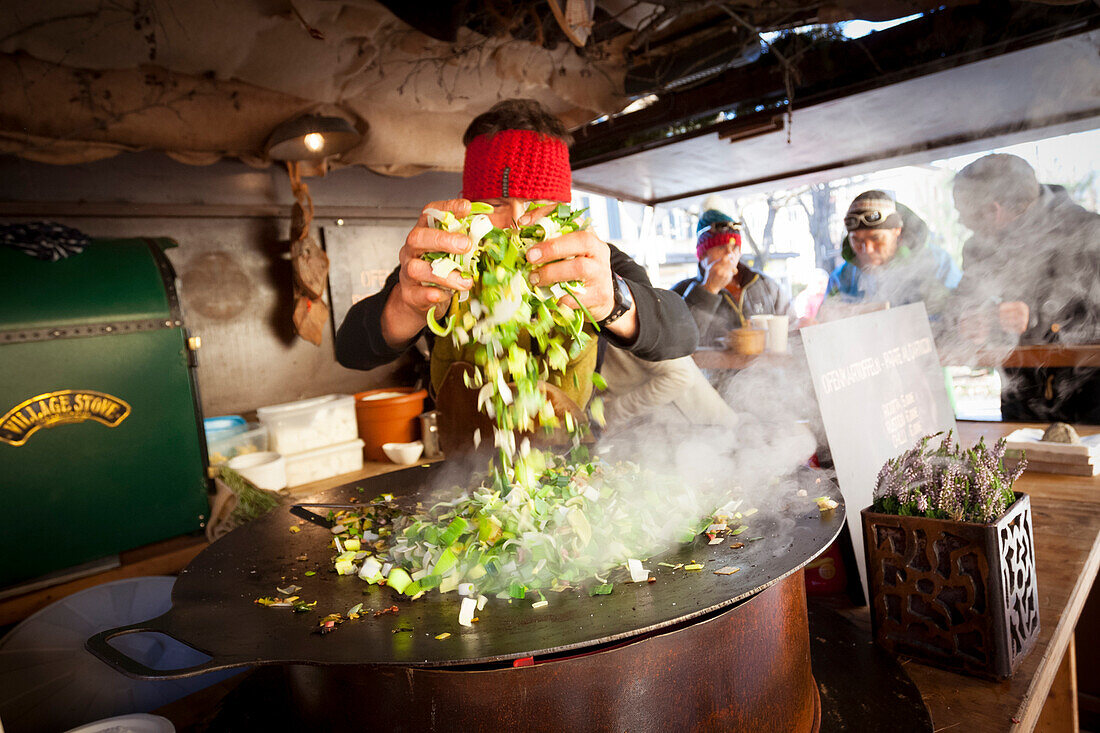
point(98, 646)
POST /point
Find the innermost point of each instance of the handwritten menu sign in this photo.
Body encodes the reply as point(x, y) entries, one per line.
point(361, 257)
point(880, 388)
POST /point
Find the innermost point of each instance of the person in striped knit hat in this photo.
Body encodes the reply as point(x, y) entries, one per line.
point(726, 292)
point(516, 153)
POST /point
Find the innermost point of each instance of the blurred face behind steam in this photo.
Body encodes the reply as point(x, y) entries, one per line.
point(874, 247)
point(978, 214)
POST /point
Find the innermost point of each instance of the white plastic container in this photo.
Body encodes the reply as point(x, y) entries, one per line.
point(333, 460)
point(253, 440)
point(296, 427)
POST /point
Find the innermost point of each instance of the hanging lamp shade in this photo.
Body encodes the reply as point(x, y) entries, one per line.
point(311, 137)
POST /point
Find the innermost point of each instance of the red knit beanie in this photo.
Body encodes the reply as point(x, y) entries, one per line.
point(710, 239)
point(521, 164)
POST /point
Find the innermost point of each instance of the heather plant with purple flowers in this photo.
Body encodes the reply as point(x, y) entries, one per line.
point(948, 482)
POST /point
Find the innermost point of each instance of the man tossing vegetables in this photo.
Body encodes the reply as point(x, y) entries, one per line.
point(511, 220)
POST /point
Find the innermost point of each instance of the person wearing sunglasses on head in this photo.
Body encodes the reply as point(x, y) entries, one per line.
point(726, 292)
point(889, 258)
point(1032, 272)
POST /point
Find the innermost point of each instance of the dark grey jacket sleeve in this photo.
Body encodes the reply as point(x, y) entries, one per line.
point(666, 329)
point(359, 342)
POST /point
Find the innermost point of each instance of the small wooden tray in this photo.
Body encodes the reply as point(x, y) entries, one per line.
point(1030, 442)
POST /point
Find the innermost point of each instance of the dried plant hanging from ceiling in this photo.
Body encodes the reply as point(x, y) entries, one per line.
point(309, 261)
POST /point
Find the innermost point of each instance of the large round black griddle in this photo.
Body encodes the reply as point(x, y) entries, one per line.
point(213, 609)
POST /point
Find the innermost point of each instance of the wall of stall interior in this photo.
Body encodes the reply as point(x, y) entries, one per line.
point(232, 225)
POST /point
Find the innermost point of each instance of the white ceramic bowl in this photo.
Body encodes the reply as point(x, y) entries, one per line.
point(405, 454)
point(267, 470)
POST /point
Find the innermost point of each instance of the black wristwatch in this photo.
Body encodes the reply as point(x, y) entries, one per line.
point(623, 301)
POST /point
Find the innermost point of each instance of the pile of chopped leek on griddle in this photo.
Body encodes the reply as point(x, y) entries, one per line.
point(539, 523)
point(532, 539)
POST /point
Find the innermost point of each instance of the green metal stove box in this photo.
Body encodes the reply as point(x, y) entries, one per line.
point(101, 446)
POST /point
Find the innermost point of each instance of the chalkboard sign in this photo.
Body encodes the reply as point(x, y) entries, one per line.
point(880, 388)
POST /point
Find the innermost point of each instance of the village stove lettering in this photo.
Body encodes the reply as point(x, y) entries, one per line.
point(59, 408)
point(861, 370)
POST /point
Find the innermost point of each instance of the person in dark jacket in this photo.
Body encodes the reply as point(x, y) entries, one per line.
point(726, 292)
point(516, 153)
point(1032, 270)
point(888, 258)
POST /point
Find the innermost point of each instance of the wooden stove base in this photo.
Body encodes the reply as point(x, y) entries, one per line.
point(745, 669)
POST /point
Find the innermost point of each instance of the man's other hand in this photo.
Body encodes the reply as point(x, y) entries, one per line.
point(418, 288)
point(1013, 317)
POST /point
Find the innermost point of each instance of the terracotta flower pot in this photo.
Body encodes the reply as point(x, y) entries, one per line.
point(392, 419)
point(956, 595)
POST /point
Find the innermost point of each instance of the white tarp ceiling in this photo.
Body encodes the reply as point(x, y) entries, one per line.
point(202, 79)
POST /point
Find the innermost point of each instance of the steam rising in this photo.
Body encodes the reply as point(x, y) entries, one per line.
point(754, 457)
point(1048, 258)
point(756, 461)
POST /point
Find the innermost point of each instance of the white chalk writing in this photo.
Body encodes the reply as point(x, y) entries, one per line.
point(843, 377)
point(902, 420)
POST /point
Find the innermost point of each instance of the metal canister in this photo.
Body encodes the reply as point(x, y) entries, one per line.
point(429, 433)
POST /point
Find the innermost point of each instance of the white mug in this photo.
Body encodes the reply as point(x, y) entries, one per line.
point(776, 326)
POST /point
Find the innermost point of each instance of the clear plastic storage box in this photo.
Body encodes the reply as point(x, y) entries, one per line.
point(252, 440)
point(296, 427)
point(333, 460)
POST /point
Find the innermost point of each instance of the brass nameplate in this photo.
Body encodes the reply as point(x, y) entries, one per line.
point(59, 408)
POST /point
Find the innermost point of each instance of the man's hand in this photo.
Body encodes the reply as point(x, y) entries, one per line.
point(1013, 317)
point(974, 327)
point(579, 256)
point(977, 325)
point(720, 272)
point(583, 257)
point(418, 288)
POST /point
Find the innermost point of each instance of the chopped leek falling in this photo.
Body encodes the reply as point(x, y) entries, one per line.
point(516, 333)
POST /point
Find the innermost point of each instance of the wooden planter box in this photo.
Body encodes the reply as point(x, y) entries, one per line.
point(956, 595)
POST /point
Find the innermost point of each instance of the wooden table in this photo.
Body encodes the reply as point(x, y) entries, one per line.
point(1052, 355)
point(1066, 526)
point(1048, 355)
point(714, 358)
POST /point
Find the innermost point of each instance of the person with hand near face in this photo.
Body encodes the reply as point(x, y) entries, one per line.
point(1033, 274)
point(889, 258)
point(517, 160)
point(726, 292)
